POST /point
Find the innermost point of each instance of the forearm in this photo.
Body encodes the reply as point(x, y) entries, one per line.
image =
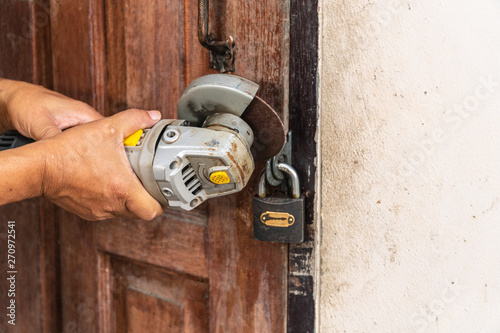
point(21, 172)
point(5, 94)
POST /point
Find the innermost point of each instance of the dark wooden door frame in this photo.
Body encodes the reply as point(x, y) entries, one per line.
point(304, 23)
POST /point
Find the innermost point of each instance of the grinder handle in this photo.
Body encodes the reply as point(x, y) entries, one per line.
point(13, 139)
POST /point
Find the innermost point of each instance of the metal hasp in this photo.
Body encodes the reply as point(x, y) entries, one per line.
point(221, 52)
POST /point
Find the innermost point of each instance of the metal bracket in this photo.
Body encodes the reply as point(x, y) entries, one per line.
point(274, 175)
point(221, 52)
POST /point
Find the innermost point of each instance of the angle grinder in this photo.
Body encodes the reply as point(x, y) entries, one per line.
point(223, 127)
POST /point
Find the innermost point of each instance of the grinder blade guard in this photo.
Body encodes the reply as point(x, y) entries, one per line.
point(207, 152)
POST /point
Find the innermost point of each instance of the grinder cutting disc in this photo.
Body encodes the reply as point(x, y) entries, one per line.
point(223, 93)
point(268, 129)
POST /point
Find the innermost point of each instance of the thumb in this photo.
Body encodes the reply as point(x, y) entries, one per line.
point(132, 120)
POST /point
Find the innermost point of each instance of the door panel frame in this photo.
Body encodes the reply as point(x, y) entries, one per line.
point(302, 282)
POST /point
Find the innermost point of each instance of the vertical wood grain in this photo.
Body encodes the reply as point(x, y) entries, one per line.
point(98, 54)
point(169, 56)
point(196, 57)
point(259, 28)
point(116, 79)
point(153, 54)
point(50, 266)
point(42, 64)
point(72, 54)
point(79, 275)
point(105, 296)
point(16, 37)
point(75, 31)
point(25, 54)
point(140, 66)
point(28, 298)
point(248, 277)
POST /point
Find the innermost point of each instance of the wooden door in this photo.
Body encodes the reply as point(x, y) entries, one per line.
point(193, 271)
point(185, 271)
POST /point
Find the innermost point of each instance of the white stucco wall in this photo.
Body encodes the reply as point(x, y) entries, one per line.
point(410, 166)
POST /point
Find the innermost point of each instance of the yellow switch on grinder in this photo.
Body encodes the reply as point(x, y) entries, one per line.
point(133, 138)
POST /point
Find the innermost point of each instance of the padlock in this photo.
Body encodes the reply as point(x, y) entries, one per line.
point(278, 219)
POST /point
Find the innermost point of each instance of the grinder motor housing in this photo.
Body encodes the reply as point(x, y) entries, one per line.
point(208, 151)
point(182, 166)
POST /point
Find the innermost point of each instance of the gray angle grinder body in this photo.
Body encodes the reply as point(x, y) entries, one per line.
point(210, 150)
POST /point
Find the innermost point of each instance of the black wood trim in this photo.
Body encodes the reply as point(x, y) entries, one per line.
point(304, 23)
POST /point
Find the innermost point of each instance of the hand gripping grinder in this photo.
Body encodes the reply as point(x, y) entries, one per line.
point(210, 150)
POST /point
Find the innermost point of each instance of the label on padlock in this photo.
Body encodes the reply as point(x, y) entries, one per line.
point(278, 219)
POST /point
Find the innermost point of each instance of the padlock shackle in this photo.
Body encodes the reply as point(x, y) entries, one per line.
point(261, 189)
point(294, 178)
point(292, 174)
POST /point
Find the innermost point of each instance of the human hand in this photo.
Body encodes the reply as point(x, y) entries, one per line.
point(39, 113)
point(87, 171)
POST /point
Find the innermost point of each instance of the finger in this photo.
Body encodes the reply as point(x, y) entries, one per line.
point(83, 212)
point(88, 114)
point(144, 206)
point(131, 121)
point(45, 128)
point(81, 114)
point(49, 132)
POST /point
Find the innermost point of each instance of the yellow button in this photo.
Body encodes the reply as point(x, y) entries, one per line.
point(220, 177)
point(132, 139)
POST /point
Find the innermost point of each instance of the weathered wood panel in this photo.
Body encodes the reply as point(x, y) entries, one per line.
point(25, 55)
point(237, 261)
point(145, 54)
point(75, 51)
point(16, 35)
point(72, 53)
point(50, 266)
point(174, 242)
point(260, 29)
point(26, 282)
point(248, 277)
point(149, 299)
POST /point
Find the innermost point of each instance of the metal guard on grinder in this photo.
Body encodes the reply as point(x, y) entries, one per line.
point(226, 93)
